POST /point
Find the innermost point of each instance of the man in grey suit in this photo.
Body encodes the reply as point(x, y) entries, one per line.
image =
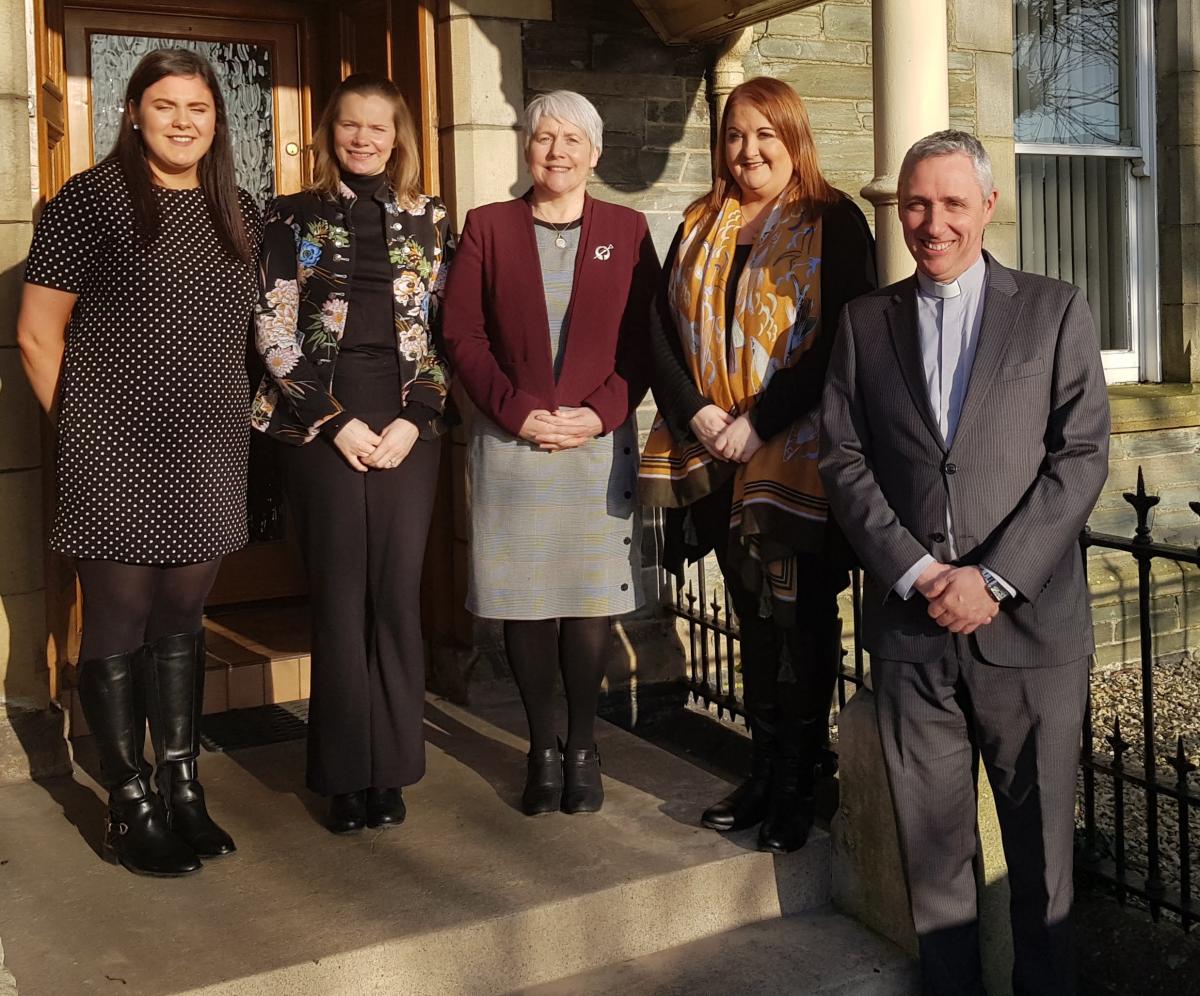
point(964, 442)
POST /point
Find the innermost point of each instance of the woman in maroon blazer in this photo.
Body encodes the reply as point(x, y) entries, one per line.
point(545, 324)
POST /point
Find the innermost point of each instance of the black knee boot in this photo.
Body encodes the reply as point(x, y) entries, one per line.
point(791, 810)
point(137, 833)
point(173, 680)
point(746, 805)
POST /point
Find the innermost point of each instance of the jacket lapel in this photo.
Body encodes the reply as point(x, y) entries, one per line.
point(902, 323)
point(1001, 311)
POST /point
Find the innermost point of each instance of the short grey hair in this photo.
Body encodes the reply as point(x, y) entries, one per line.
point(948, 143)
point(565, 105)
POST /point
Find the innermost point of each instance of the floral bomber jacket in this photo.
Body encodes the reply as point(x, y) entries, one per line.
point(305, 268)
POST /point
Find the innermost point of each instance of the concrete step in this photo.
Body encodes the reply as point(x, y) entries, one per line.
point(814, 954)
point(468, 897)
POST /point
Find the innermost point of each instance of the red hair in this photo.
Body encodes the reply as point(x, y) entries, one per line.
point(783, 108)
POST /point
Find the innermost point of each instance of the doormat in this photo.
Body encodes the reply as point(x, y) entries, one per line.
point(255, 727)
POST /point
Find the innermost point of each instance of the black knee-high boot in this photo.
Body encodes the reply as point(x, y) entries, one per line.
point(746, 805)
point(137, 833)
point(173, 680)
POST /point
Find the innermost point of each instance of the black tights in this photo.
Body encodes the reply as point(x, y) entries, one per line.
point(126, 605)
point(538, 649)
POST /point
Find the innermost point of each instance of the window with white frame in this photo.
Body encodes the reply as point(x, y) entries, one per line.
point(1084, 129)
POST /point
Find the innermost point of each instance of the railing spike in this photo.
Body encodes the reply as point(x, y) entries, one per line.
point(1142, 503)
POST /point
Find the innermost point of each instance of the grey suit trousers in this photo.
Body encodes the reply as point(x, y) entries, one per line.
point(935, 722)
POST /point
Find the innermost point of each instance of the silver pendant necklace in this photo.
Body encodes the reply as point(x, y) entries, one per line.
point(560, 240)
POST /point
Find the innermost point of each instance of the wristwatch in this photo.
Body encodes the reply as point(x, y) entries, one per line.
point(994, 588)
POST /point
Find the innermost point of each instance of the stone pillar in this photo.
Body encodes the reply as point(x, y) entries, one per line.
point(729, 69)
point(1178, 62)
point(31, 736)
point(911, 99)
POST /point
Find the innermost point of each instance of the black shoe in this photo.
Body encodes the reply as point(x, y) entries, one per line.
point(347, 812)
point(137, 834)
point(171, 682)
point(791, 811)
point(543, 782)
point(583, 792)
point(385, 807)
point(746, 805)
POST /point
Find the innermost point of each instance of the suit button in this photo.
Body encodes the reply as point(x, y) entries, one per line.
point(624, 587)
point(938, 537)
point(628, 494)
point(628, 541)
point(628, 451)
point(951, 468)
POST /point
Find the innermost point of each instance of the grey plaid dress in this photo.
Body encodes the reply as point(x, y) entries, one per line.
point(553, 534)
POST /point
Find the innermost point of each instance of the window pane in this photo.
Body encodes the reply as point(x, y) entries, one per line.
point(244, 72)
point(1072, 62)
point(1074, 225)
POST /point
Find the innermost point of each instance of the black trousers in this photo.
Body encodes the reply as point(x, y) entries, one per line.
point(788, 674)
point(363, 541)
point(935, 722)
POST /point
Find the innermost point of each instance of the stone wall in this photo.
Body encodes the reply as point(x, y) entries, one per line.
point(657, 131)
point(824, 51)
point(30, 734)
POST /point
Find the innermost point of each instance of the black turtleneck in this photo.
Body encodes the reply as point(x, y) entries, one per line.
point(367, 379)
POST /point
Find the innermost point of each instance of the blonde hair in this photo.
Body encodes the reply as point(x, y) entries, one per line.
point(403, 168)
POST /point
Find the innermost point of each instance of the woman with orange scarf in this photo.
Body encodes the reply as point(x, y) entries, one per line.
point(754, 282)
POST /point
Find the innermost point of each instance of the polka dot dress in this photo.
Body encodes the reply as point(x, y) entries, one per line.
point(154, 412)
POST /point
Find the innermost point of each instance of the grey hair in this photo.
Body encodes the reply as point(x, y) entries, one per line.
point(948, 143)
point(565, 105)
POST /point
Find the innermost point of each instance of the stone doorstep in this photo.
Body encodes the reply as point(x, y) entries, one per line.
point(469, 897)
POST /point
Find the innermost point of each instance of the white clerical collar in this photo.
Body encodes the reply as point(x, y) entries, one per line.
point(970, 279)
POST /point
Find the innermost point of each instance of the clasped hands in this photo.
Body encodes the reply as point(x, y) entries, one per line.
point(958, 598)
point(366, 450)
point(561, 429)
point(725, 436)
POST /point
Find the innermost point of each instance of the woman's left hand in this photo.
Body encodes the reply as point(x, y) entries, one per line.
point(565, 428)
point(737, 441)
point(395, 443)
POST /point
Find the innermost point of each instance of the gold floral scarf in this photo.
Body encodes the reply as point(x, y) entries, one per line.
point(779, 505)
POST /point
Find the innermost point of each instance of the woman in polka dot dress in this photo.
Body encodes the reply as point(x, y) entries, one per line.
point(139, 291)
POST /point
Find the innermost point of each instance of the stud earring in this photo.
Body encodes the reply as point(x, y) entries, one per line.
point(136, 126)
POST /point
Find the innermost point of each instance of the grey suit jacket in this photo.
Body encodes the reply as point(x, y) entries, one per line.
point(1029, 458)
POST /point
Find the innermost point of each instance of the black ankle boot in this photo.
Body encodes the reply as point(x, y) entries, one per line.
point(543, 782)
point(583, 791)
point(385, 807)
point(791, 810)
point(137, 834)
point(172, 680)
point(746, 805)
point(347, 812)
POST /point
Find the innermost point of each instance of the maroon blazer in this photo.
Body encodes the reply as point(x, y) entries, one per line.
point(494, 320)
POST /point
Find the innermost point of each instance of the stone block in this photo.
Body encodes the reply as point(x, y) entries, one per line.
point(994, 94)
point(982, 25)
point(21, 536)
point(16, 193)
point(624, 53)
point(21, 440)
point(847, 153)
point(14, 59)
point(485, 79)
point(552, 46)
point(517, 10)
point(1003, 243)
point(828, 53)
point(1179, 184)
point(1180, 279)
point(24, 679)
point(833, 115)
point(674, 137)
point(666, 111)
point(623, 114)
point(614, 84)
point(962, 91)
point(843, 21)
point(14, 246)
point(802, 24)
point(489, 165)
point(962, 62)
point(1179, 331)
point(812, 80)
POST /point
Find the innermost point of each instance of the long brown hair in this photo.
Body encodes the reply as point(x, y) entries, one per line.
point(782, 106)
point(403, 168)
point(215, 171)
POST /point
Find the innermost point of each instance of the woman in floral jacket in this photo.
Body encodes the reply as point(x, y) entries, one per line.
point(352, 272)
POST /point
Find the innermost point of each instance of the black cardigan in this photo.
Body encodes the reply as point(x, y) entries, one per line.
point(847, 272)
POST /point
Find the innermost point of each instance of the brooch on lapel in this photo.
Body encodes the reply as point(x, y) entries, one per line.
point(603, 252)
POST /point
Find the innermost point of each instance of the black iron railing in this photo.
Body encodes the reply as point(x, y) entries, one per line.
point(1122, 806)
